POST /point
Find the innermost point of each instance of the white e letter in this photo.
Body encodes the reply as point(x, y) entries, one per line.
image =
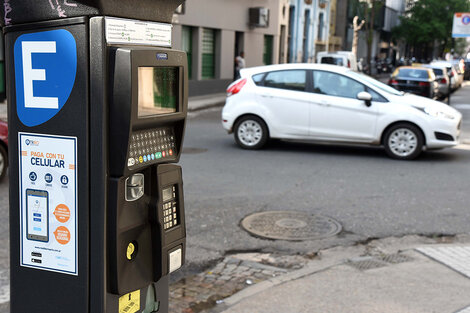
point(30, 74)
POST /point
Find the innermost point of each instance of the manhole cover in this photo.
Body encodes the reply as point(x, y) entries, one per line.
point(396, 258)
point(366, 263)
point(290, 225)
point(193, 150)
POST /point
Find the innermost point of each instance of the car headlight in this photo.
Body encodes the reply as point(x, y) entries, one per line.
point(436, 113)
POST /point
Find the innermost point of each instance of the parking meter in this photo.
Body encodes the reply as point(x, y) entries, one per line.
point(97, 104)
point(147, 117)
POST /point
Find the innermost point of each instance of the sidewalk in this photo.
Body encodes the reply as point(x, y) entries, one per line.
point(206, 101)
point(411, 274)
point(194, 103)
point(396, 275)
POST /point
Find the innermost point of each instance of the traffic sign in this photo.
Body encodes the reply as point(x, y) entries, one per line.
point(461, 25)
point(45, 70)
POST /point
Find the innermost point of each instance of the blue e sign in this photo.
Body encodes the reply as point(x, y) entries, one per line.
point(45, 70)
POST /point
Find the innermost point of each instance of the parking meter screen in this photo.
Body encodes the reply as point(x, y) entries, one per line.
point(157, 91)
point(167, 194)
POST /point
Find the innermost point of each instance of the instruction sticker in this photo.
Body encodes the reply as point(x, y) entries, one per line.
point(123, 31)
point(48, 202)
point(130, 303)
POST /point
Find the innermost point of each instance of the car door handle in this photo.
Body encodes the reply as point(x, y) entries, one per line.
point(324, 103)
point(266, 96)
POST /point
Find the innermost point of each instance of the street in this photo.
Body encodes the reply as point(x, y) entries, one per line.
point(371, 195)
point(123, 190)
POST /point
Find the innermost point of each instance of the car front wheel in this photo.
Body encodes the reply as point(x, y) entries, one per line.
point(403, 141)
point(251, 132)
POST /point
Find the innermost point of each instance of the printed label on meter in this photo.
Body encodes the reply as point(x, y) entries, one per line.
point(130, 303)
point(48, 201)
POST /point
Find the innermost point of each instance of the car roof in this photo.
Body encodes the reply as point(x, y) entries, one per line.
point(437, 66)
point(441, 62)
point(322, 53)
point(415, 67)
point(293, 66)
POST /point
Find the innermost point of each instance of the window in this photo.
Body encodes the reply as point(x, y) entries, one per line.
point(187, 46)
point(290, 35)
point(438, 71)
point(292, 80)
point(375, 96)
point(320, 27)
point(208, 53)
point(375, 83)
point(332, 60)
point(268, 50)
point(258, 78)
point(305, 43)
point(333, 84)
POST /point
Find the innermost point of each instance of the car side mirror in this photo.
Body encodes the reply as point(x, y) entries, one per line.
point(366, 97)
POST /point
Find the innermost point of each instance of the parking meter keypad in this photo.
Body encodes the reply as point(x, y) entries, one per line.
point(170, 212)
point(151, 146)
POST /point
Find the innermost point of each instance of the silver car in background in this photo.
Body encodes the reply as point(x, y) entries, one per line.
point(442, 78)
point(455, 79)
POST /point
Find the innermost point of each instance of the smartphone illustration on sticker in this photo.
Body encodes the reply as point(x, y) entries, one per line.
point(37, 215)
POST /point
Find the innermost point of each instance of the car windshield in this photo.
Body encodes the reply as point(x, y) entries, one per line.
point(438, 71)
point(412, 73)
point(375, 83)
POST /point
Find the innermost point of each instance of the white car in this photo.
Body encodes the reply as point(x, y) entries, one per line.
point(329, 103)
point(340, 58)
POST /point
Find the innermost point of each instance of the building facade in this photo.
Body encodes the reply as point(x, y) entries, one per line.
point(311, 25)
point(386, 17)
point(214, 32)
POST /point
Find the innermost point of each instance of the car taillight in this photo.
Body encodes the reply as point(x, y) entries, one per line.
point(349, 64)
point(392, 82)
point(235, 88)
point(424, 84)
point(444, 80)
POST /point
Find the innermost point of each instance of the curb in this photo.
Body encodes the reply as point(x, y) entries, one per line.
point(331, 258)
point(255, 289)
point(205, 102)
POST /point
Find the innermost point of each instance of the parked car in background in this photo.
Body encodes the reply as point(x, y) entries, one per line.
point(455, 79)
point(442, 78)
point(3, 148)
point(417, 80)
point(340, 58)
point(333, 104)
point(466, 75)
point(460, 69)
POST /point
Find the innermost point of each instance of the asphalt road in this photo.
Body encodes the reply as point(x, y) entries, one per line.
point(371, 195)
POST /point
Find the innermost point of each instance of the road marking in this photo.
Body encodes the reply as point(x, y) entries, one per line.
point(456, 258)
point(465, 310)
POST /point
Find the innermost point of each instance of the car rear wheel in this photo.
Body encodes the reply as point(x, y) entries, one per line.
point(3, 162)
point(251, 132)
point(403, 142)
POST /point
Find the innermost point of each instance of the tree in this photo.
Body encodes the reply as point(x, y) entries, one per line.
point(429, 21)
point(367, 10)
point(356, 28)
